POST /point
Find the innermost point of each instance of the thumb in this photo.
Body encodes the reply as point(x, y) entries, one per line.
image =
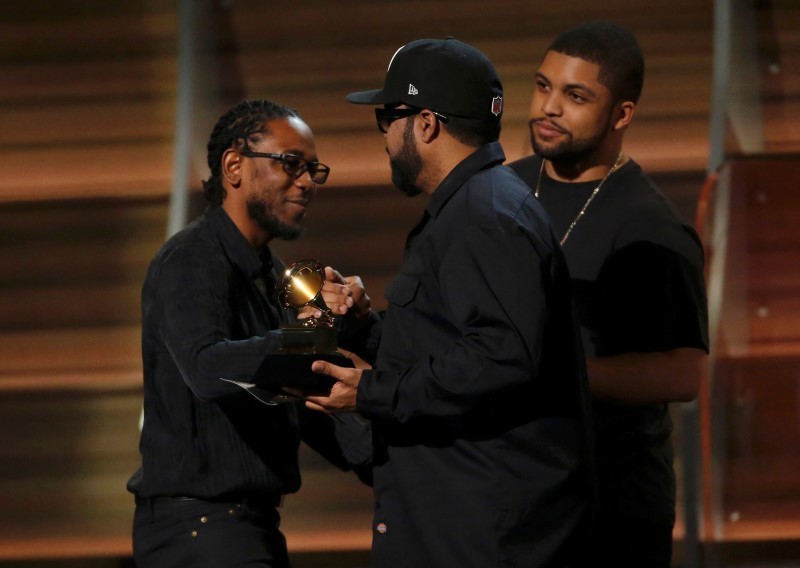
point(325, 368)
point(333, 275)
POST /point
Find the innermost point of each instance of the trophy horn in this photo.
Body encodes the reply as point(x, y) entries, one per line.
point(301, 286)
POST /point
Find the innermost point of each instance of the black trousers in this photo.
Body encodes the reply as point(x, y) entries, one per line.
point(628, 542)
point(203, 534)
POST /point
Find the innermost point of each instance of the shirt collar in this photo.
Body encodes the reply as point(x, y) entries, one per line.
point(237, 248)
point(486, 155)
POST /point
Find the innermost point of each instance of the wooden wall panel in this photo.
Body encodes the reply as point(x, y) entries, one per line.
point(754, 411)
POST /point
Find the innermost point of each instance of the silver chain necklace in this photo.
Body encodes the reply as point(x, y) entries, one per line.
point(588, 201)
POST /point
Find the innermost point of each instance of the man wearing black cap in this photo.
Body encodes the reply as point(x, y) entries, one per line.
point(478, 398)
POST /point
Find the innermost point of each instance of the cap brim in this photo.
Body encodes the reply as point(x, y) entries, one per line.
point(374, 97)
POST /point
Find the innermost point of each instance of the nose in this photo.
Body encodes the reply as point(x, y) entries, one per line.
point(305, 183)
point(548, 103)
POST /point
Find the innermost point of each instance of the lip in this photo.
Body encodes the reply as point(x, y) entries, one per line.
point(298, 202)
point(547, 129)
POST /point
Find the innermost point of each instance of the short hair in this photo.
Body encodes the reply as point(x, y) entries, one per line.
point(473, 131)
point(233, 129)
point(613, 48)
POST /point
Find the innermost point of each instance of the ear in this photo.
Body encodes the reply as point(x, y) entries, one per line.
point(624, 115)
point(232, 167)
point(427, 126)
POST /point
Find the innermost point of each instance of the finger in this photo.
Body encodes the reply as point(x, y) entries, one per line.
point(338, 303)
point(307, 312)
point(336, 288)
point(314, 406)
point(338, 296)
point(344, 299)
point(338, 307)
point(333, 275)
point(317, 402)
point(325, 368)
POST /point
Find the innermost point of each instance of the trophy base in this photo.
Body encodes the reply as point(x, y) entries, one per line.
point(299, 338)
point(291, 365)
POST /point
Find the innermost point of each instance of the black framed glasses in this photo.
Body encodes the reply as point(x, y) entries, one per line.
point(294, 165)
point(386, 116)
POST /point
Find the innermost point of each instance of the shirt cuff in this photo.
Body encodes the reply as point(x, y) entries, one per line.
point(375, 395)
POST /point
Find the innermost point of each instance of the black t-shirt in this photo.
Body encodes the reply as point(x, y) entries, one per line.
point(638, 284)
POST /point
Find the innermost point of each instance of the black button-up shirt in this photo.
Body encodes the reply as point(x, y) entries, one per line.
point(208, 314)
point(479, 398)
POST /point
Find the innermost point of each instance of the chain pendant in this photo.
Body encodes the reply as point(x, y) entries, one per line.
point(595, 191)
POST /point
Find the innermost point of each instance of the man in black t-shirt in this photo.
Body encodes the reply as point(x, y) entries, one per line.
point(637, 280)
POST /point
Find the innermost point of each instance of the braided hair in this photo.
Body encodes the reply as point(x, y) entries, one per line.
point(233, 130)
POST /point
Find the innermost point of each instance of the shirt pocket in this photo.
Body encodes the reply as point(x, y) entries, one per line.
point(399, 329)
point(402, 290)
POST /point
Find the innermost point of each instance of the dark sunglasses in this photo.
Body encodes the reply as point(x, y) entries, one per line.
point(386, 116)
point(294, 166)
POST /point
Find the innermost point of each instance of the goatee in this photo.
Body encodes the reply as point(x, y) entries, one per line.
point(572, 150)
point(271, 224)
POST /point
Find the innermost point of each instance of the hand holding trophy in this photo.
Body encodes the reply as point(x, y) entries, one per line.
point(302, 343)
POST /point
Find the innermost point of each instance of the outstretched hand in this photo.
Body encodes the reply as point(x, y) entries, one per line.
point(361, 304)
point(336, 294)
point(344, 295)
point(342, 397)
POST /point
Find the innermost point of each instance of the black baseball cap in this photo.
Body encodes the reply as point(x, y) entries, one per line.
point(444, 75)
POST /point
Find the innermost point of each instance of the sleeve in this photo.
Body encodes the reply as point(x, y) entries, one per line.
point(193, 292)
point(652, 297)
point(345, 440)
point(365, 339)
point(492, 285)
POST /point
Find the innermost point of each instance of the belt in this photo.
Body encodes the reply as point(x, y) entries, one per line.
point(249, 501)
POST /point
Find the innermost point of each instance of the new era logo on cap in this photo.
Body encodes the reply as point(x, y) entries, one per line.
point(444, 75)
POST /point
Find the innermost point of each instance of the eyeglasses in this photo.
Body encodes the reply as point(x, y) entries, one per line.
point(386, 116)
point(294, 166)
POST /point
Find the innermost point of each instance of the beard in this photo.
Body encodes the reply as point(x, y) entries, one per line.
point(572, 150)
point(259, 213)
point(407, 164)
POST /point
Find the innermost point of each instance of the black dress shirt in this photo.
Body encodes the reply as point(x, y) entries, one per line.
point(479, 398)
point(208, 314)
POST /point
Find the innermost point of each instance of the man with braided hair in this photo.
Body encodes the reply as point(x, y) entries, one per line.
point(215, 460)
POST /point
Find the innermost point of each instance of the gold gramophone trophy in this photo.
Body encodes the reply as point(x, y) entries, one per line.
point(302, 343)
point(301, 286)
